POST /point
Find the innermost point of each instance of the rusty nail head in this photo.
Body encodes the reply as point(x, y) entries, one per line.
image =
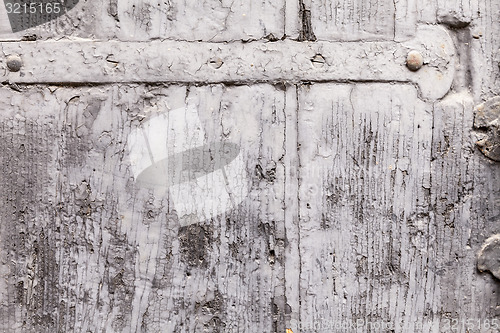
point(414, 61)
point(14, 63)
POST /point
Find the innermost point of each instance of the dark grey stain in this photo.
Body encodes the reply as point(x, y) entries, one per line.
point(306, 33)
point(194, 243)
point(25, 14)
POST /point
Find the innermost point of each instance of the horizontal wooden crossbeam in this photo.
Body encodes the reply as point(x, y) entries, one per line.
point(83, 61)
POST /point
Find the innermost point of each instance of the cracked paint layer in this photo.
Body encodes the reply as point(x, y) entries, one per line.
point(241, 63)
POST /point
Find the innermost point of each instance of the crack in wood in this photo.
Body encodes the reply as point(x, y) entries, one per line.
point(306, 32)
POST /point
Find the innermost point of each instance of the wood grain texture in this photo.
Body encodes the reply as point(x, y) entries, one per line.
point(369, 247)
point(368, 201)
point(87, 249)
point(484, 55)
point(352, 19)
point(191, 20)
point(466, 204)
point(390, 211)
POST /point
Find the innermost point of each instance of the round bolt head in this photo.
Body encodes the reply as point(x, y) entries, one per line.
point(414, 61)
point(14, 63)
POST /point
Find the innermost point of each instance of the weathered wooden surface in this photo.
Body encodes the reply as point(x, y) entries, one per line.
point(272, 62)
point(206, 20)
point(364, 200)
point(355, 162)
point(90, 250)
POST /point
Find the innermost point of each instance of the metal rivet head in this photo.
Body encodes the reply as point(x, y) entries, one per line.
point(414, 61)
point(14, 63)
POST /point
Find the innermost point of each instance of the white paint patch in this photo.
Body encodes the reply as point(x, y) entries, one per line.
point(204, 180)
point(167, 134)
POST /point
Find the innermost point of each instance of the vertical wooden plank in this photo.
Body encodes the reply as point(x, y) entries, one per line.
point(100, 252)
point(191, 20)
point(484, 51)
point(465, 196)
point(366, 207)
point(405, 19)
point(352, 19)
point(228, 20)
point(292, 222)
point(28, 254)
point(293, 24)
point(365, 215)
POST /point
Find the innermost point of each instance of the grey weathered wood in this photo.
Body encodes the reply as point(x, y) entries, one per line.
point(184, 62)
point(175, 19)
point(368, 203)
point(368, 248)
point(99, 252)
